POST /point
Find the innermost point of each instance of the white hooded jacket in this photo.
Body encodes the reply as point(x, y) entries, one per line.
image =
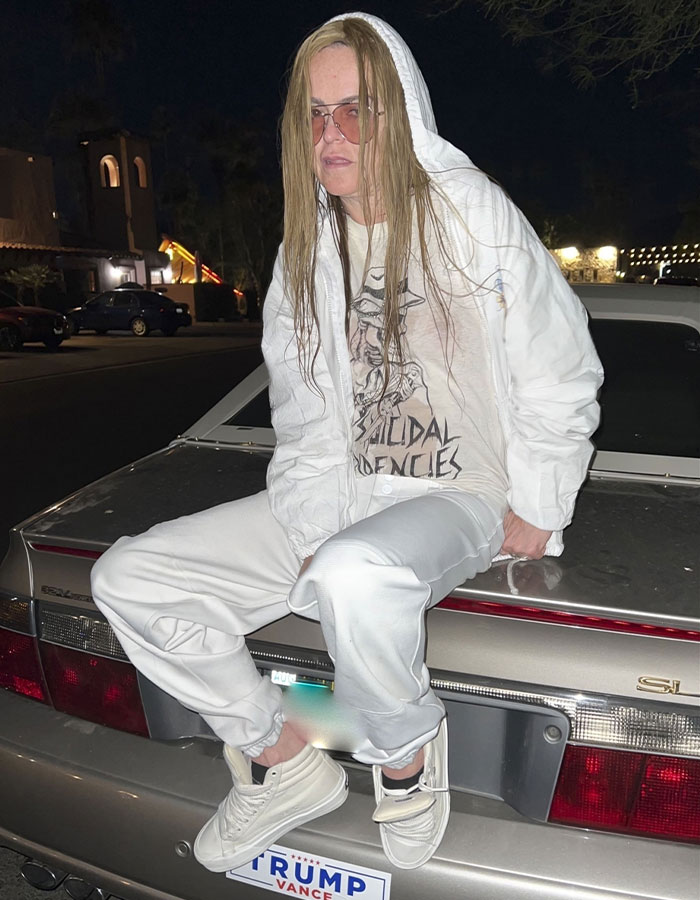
point(545, 369)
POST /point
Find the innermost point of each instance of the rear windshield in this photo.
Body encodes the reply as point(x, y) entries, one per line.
point(151, 298)
point(651, 396)
point(255, 414)
point(650, 400)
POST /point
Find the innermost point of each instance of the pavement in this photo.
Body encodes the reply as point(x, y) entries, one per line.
point(12, 885)
point(86, 351)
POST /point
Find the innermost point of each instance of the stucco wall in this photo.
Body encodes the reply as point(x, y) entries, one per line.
point(27, 198)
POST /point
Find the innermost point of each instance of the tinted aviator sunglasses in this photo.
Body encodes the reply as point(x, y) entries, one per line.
point(346, 118)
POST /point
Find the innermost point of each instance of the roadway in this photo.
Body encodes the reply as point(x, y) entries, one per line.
point(71, 416)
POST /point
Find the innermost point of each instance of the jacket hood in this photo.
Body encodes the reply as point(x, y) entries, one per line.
point(433, 152)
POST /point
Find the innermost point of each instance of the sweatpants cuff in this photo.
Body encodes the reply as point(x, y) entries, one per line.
point(269, 740)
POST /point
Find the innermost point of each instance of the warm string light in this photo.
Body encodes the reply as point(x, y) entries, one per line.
point(173, 247)
point(674, 254)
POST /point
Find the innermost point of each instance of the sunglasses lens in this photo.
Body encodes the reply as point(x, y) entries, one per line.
point(317, 123)
point(347, 118)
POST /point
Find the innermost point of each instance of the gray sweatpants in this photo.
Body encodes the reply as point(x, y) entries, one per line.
point(182, 596)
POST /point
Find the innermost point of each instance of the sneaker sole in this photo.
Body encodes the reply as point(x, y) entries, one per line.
point(246, 852)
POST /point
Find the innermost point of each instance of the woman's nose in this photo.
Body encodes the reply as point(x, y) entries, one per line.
point(331, 132)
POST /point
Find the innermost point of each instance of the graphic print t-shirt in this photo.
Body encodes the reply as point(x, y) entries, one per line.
point(428, 423)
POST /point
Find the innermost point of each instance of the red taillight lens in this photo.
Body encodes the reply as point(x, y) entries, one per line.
point(20, 670)
point(658, 796)
point(669, 799)
point(595, 787)
point(66, 551)
point(91, 687)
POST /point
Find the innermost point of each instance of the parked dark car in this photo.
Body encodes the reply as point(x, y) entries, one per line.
point(124, 310)
point(28, 324)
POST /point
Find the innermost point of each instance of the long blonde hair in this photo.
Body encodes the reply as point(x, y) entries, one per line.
point(404, 187)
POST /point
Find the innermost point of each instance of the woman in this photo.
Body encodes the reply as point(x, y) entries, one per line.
point(433, 390)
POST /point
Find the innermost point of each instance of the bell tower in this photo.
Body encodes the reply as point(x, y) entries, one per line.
point(121, 204)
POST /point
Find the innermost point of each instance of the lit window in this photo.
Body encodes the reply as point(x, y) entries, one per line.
point(140, 169)
point(109, 171)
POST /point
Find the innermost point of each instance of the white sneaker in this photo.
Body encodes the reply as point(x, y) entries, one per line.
point(412, 822)
point(253, 816)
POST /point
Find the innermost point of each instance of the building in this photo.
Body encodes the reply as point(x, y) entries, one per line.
point(120, 240)
point(121, 202)
point(675, 262)
point(27, 199)
point(597, 264)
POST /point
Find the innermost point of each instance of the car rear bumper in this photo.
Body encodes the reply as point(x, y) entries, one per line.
point(176, 320)
point(122, 812)
point(44, 330)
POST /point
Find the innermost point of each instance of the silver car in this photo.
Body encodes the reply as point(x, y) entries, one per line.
point(571, 684)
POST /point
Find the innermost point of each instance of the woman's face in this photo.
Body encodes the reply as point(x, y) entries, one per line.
point(335, 79)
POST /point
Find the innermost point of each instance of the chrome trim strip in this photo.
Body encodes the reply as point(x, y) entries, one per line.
point(79, 632)
point(603, 721)
point(649, 467)
point(617, 722)
point(317, 660)
point(217, 441)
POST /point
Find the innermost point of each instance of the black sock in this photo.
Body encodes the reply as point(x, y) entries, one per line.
point(258, 772)
point(401, 784)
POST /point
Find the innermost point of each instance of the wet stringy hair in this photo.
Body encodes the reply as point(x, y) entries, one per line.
point(388, 169)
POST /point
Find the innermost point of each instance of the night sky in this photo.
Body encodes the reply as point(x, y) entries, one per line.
point(558, 151)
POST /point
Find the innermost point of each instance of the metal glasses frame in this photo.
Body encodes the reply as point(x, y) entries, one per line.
point(331, 113)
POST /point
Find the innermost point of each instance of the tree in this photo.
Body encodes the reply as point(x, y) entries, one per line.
point(75, 112)
point(257, 208)
point(245, 212)
point(595, 38)
point(32, 277)
point(97, 32)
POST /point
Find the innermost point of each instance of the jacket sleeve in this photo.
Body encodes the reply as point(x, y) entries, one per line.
point(307, 479)
point(554, 375)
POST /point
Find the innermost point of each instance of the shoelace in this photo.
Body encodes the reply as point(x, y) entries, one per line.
point(240, 808)
point(420, 826)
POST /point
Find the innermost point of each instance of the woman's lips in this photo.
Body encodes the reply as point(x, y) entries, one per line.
point(336, 162)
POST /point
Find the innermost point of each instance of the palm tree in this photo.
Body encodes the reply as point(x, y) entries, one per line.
point(98, 33)
point(32, 277)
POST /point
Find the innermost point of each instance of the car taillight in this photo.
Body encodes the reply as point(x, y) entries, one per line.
point(93, 687)
point(20, 670)
point(633, 793)
point(66, 551)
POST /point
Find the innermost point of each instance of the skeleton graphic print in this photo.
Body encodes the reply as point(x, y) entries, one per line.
point(397, 431)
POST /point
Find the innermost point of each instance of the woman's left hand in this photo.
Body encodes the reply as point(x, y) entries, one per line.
point(522, 540)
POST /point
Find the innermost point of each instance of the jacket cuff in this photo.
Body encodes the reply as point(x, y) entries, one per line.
point(303, 550)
